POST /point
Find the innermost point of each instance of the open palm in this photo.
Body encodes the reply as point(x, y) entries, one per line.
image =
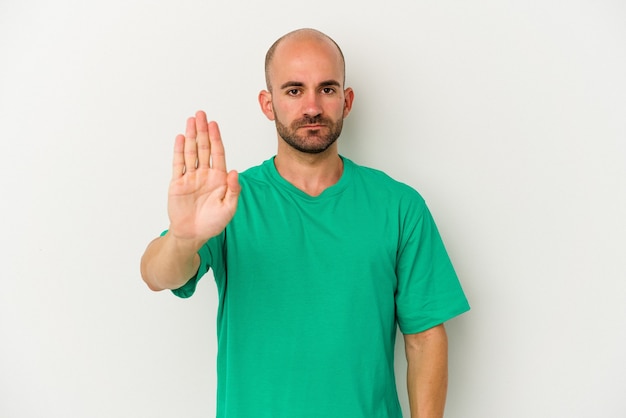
point(202, 196)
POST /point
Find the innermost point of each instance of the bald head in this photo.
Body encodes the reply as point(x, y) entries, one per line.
point(299, 35)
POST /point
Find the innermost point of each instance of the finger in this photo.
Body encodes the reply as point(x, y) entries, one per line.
point(191, 149)
point(218, 158)
point(202, 140)
point(178, 165)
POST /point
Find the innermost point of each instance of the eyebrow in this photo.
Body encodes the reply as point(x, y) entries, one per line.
point(300, 84)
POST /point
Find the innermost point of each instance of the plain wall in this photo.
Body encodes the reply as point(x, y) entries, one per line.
point(507, 116)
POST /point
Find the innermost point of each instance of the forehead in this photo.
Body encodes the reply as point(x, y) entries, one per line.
point(306, 59)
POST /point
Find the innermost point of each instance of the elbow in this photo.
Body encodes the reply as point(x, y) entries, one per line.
point(152, 286)
point(145, 276)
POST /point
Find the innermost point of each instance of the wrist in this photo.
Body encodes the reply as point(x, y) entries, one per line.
point(182, 246)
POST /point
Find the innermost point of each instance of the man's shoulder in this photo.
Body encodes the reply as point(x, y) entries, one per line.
point(257, 173)
point(379, 181)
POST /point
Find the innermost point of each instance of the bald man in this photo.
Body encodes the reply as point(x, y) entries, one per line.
point(317, 260)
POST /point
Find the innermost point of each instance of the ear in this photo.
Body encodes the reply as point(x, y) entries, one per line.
point(349, 98)
point(265, 100)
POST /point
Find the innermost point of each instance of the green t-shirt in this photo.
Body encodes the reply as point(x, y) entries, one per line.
point(311, 290)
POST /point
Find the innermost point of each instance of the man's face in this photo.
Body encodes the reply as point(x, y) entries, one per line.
point(308, 102)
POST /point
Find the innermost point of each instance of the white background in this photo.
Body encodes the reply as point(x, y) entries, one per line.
point(508, 116)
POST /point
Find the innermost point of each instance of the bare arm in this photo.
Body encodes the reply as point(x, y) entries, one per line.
point(202, 199)
point(427, 375)
point(169, 263)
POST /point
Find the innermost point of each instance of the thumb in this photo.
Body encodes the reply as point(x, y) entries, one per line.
point(233, 188)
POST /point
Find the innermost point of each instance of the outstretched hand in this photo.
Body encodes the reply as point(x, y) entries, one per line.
point(202, 195)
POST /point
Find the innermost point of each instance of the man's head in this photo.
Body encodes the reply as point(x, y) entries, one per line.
point(305, 96)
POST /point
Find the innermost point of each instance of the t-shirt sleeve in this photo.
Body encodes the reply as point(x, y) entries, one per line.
point(429, 292)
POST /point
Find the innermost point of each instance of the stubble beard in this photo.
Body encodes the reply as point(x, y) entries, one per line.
point(314, 141)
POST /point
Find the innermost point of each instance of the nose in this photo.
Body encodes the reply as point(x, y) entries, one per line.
point(311, 105)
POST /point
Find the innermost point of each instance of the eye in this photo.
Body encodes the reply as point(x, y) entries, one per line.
point(328, 90)
point(293, 92)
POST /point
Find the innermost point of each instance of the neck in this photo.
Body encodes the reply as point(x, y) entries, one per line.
point(311, 173)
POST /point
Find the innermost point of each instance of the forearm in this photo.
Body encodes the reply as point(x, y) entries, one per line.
point(427, 372)
point(168, 263)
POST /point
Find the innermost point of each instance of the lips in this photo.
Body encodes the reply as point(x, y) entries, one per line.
point(317, 122)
